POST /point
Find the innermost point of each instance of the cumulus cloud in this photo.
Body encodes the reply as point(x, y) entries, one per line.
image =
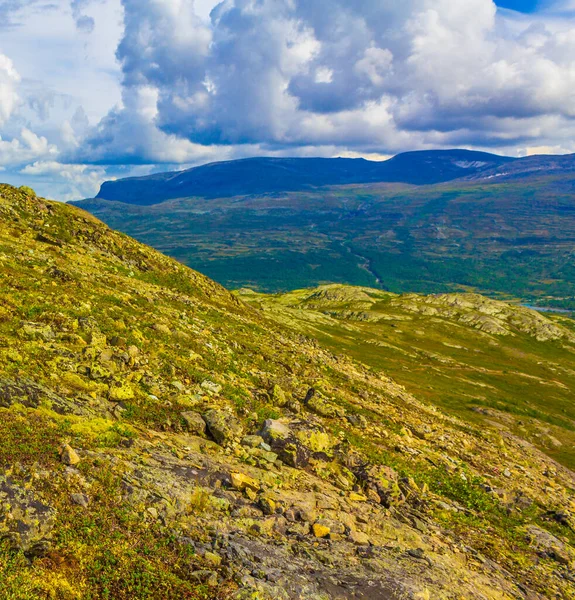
point(203, 80)
point(358, 73)
point(82, 180)
point(9, 80)
point(25, 148)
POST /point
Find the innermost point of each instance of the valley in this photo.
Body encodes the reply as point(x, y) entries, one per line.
point(509, 239)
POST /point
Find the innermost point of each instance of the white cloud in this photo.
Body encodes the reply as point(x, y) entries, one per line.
point(370, 75)
point(9, 80)
point(83, 180)
point(189, 81)
point(27, 147)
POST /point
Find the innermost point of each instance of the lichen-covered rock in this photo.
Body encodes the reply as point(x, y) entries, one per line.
point(122, 392)
point(241, 482)
point(69, 456)
point(24, 521)
point(37, 331)
point(273, 431)
point(32, 395)
point(323, 407)
point(211, 387)
point(195, 423)
point(278, 396)
point(223, 426)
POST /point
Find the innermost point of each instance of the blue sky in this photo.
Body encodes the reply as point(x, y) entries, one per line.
point(97, 89)
point(524, 6)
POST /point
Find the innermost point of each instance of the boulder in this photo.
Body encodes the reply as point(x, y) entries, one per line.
point(24, 521)
point(273, 431)
point(195, 423)
point(223, 426)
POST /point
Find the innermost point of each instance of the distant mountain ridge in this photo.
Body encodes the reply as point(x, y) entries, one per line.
point(272, 175)
point(530, 166)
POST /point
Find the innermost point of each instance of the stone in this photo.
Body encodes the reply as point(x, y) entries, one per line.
point(270, 457)
point(267, 505)
point(223, 426)
point(25, 522)
point(97, 339)
point(37, 331)
point(320, 531)
point(207, 577)
point(80, 499)
point(243, 482)
point(322, 407)
point(215, 560)
point(294, 454)
point(416, 553)
point(549, 545)
point(161, 328)
point(211, 387)
point(278, 397)
point(252, 441)
point(274, 430)
point(69, 456)
point(195, 423)
point(355, 497)
point(359, 538)
point(106, 355)
point(358, 421)
point(122, 392)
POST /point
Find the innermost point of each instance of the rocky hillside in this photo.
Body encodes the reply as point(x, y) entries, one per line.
point(162, 439)
point(483, 360)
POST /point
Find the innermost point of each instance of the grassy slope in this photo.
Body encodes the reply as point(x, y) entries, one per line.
point(514, 238)
point(526, 384)
point(122, 338)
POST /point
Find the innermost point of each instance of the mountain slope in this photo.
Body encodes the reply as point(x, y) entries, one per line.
point(163, 439)
point(272, 175)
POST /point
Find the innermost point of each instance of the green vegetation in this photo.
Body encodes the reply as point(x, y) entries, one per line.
point(161, 437)
point(475, 358)
point(512, 239)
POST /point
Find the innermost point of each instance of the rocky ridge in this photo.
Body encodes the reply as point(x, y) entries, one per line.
point(163, 439)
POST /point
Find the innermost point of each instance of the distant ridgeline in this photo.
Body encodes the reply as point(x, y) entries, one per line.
point(432, 221)
point(269, 175)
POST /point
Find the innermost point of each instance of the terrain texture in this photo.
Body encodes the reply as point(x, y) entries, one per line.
point(162, 438)
point(505, 230)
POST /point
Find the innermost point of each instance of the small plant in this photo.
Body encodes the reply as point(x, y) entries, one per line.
point(199, 501)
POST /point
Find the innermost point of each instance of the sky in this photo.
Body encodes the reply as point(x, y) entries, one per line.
point(92, 90)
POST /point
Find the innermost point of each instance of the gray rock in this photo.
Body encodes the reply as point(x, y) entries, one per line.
point(211, 387)
point(195, 423)
point(274, 430)
point(81, 500)
point(223, 426)
point(24, 521)
point(252, 441)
